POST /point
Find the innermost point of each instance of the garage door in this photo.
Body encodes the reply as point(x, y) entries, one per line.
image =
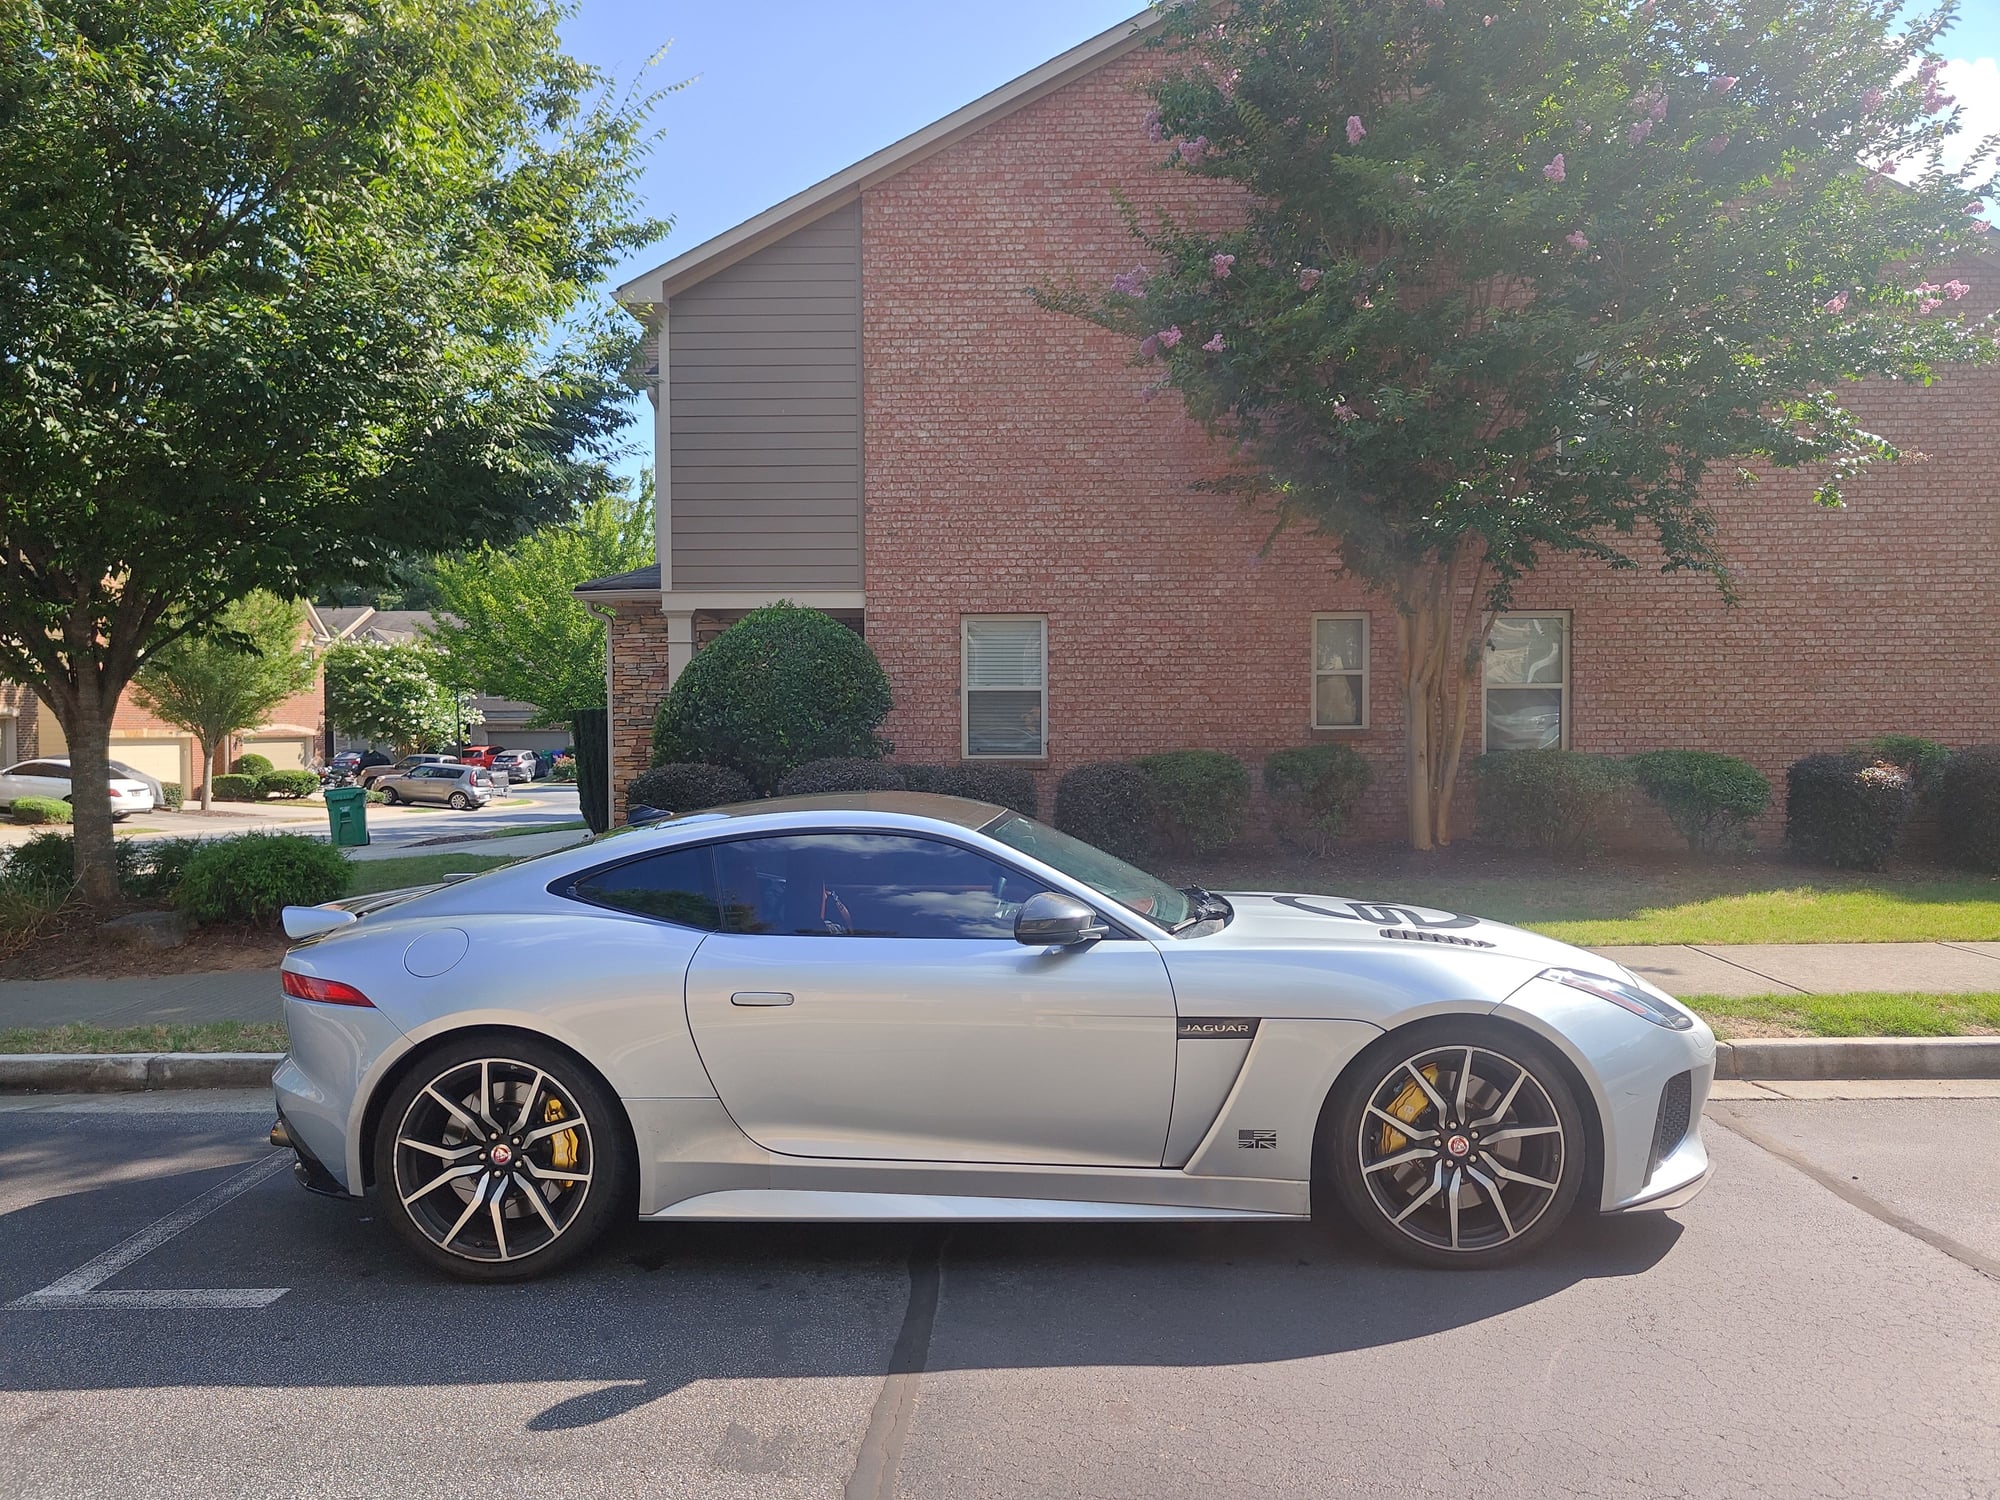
point(285, 753)
point(163, 760)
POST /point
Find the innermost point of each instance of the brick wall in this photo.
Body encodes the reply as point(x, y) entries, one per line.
point(638, 682)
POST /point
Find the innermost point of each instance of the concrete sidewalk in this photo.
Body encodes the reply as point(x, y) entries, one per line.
point(1761, 969)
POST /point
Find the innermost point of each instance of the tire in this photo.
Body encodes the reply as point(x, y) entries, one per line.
point(460, 801)
point(390, 797)
point(447, 1220)
point(1391, 1154)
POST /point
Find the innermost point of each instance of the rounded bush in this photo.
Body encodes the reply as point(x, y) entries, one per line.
point(290, 785)
point(1011, 787)
point(1109, 804)
point(1552, 801)
point(236, 787)
point(780, 687)
point(841, 774)
point(1846, 809)
point(1313, 790)
point(564, 769)
point(1710, 799)
point(155, 869)
point(1967, 794)
point(46, 862)
point(41, 810)
point(1199, 798)
point(253, 877)
point(173, 796)
point(251, 764)
point(687, 788)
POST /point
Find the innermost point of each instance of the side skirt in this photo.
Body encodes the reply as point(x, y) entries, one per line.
point(807, 1205)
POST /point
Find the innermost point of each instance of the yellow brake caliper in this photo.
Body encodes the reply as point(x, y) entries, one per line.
point(563, 1147)
point(1409, 1104)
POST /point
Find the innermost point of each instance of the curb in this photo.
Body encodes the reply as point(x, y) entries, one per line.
point(1858, 1057)
point(112, 1072)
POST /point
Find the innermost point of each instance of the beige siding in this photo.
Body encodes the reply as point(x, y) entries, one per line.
point(764, 381)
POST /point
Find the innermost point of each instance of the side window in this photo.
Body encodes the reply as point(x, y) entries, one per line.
point(677, 886)
point(866, 885)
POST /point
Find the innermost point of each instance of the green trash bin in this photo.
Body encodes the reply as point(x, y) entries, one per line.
point(347, 815)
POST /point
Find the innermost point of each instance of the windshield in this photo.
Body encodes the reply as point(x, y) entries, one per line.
point(1128, 885)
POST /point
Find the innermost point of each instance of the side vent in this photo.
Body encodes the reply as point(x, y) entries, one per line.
point(1418, 935)
point(1670, 1127)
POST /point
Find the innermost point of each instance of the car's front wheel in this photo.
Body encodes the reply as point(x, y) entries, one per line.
point(501, 1159)
point(391, 796)
point(1457, 1142)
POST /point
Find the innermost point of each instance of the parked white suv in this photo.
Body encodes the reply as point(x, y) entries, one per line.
point(49, 777)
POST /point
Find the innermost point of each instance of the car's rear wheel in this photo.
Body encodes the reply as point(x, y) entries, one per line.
point(1456, 1142)
point(460, 801)
point(499, 1159)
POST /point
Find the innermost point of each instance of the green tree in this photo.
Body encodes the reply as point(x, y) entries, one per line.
point(1538, 281)
point(394, 695)
point(511, 626)
point(287, 292)
point(230, 676)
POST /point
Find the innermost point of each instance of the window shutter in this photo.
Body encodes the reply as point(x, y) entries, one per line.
point(1003, 654)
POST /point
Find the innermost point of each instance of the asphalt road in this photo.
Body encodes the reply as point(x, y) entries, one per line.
point(1824, 1321)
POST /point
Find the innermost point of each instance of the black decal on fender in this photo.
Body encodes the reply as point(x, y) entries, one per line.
point(1379, 916)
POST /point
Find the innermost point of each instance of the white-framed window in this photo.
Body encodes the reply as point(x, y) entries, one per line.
point(1527, 681)
point(1004, 686)
point(1340, 671)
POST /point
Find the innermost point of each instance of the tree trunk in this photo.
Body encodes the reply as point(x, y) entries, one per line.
point(207, 766)
point(1441, 641)
point(87, 725)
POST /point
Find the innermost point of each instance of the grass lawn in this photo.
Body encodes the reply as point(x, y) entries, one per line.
point(213, 1036)
point(1865, 1014)
point(372, 875)
point(1640, 899)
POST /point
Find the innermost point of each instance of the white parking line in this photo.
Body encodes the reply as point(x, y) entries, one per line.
point(80, 1287)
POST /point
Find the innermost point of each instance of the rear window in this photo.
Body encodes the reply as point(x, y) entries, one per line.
point(677, 886)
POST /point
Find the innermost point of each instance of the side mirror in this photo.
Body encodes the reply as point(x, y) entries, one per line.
point(1048, 920)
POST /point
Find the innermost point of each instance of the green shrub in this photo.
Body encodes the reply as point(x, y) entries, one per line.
point(1554, 801)
point(840, 774)
point(153, 871)
point(1710, 799)
point(1846, 809)
point(1313, 790)
point(377, 799)
point(1199, 798)
point(253, 877)
point(780, 687)
point(1922, 758)
point(1110, 804)
point(41, 810)
point(564, 769)
point(687, 787)
point(1967, 796)
point(173, 796)
point(251, 764)
point(290, 785)
point(236, 787)
point(45, 862)
point(1011, 787)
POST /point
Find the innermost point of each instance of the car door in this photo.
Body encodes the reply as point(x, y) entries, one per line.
point(35, 778)
point(866, 998)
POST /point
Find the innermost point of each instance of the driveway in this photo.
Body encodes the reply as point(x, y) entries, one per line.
point(1777, 1338)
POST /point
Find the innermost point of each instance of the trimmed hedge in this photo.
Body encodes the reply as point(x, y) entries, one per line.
point(290, 785)
point(1710, 799)
point(173, 796)
point(1846, 809)
point(1199, 798)
point(46, 864)
point(251, 764)
point(564, 769)
point(1922, 758)
point(253, 877)
point(687, 787)
point(1110, 804)
point(1011, 787)
point(1967, 796)
point(155, 869)
point(41, 810)
point(1313, 790)
point(1554, 801)
point(781, 687)
point(840, 774)
point(236, 787)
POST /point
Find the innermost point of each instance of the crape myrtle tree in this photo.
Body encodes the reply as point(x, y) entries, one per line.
point(512, 627)
point(228, 676)
point(1520, 281)
point(395, 695)
point(288, 290)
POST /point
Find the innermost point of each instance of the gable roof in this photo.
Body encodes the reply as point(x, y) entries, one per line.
point(647, 291)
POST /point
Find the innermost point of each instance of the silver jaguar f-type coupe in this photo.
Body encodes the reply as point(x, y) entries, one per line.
point(892, 1006)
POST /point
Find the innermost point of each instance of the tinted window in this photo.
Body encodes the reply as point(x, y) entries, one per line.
point(41, 768)
point(677, 886)
point(866, 885)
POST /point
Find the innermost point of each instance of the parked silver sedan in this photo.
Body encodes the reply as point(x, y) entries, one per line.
point(450, 785)
point(896, 1006)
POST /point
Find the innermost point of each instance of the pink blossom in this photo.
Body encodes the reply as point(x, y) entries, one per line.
point(1291, 122)
point(1925, 288)
point(1928, 306)
point(1344, 412)
point(1485, 20)
point(1169, 337)
point(1149, 346)
point(1194, 150)
point(1929, 70)
point(1309, 278)
point(1435, 4)
point(1872, 101)
point(1215, 345)
point(1954, 289)
point(1975, 206)
point(1659, 110)
point(1887, 169)
point(1577, 240)
point(1646, 10)
point(1131, 283)
point(1218, 266)
point(1836, 303)
point(1355, 130)
point(1227, 85)
point(1639, 131)
point(1155, 131)
point(1936, 99)
point(1722, 83)
point(1556, 170)
point(1717, 144)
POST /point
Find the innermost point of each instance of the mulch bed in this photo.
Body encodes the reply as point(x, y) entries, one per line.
point(72, 948)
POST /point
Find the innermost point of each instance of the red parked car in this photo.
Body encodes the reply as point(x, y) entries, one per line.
point(478, 755)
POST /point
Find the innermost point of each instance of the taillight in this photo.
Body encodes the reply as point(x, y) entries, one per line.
point(326, 991)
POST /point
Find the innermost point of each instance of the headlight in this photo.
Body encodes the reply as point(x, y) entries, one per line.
point(1625, 996)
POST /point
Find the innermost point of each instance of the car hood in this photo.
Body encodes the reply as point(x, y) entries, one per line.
point(1284, 920)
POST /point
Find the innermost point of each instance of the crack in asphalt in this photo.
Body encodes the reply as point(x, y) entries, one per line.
point(881, 1451)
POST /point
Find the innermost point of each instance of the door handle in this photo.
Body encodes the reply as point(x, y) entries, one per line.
point(760, 997)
